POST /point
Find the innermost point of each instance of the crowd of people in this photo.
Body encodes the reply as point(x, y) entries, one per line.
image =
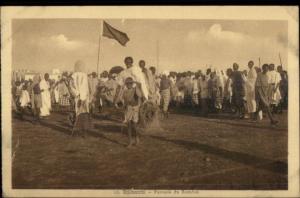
point(248, 93)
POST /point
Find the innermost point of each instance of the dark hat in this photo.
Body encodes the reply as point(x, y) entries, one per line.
point(128, 80)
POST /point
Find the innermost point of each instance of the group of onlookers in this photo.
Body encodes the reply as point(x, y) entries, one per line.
point(247, 93)
point(235, 91)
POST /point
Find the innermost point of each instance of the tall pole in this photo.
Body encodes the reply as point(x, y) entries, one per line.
point(157, 55)
point(259, 62)
point(280, 60)
point(99, 41)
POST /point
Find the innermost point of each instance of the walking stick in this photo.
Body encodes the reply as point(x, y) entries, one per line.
point(72, 97)
point(74, 125)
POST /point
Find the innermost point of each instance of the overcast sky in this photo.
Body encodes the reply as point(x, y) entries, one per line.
point(45, 44)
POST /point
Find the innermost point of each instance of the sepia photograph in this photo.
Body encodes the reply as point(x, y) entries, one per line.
point(150, 106)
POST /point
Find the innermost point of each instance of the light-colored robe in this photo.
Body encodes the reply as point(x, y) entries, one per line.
point(137, 75)
point(56, 94)
point(250, 90)
point(46, 98)
point(150, 83)
point(111, 86)
point(93, 85)
point(25, 98)
point(81, 90)
point(274, 80)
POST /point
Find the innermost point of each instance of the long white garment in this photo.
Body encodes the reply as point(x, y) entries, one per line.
point(137, 75)
point(56, 94)
point(81, 85)
point(203, 85)
point(81, 90)
point(220, 79)
point(46, 98)
point(274, 79)
point(195, 86)
point(250, 90)
point(25, 98)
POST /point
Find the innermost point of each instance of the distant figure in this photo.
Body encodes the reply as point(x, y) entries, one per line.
point(219, 83)
point(250, 90)
point(208, 72)
point(238, 90)
point(195, 90)
point(104, 76)
point(63, 91)
point(81, 92)
point(188, 89)
point(25, 97)
point(180, 89)
point(262, 93)
point(150, 81)
point(46, 97)
point(283, 87)
point(109, 91)
point(274, 83)
point(174, 88)
point(93, 87)
point(157, 84)
point(211, 88)
point(24, 100)
point(203, 88)
point(165, 92)
point(36, 98)
point(228, 91)
point(132, 99)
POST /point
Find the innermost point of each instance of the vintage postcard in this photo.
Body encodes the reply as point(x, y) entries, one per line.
point(179, 101)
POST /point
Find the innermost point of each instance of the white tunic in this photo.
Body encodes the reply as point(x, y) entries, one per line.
point(25, 98)
point(274, 79)
point(250, 90)
point(137, 75)
point(46, 98)
point(81, 90)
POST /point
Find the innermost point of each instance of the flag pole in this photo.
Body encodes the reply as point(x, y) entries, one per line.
point(99, 41)
point(157, 54)
point(280, 59)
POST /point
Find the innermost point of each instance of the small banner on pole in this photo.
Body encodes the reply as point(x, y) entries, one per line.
point(110, 32)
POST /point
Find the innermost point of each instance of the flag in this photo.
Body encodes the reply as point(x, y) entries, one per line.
point(110, 32)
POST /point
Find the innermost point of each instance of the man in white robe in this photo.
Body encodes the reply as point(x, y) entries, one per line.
point(274, 81)
point(149, 80)
point(93, 83)
point(136, 74)
point(45, 94)
point(250, 89)
point(80, 89)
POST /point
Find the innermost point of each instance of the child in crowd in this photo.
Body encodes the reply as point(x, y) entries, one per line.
point(132, 98)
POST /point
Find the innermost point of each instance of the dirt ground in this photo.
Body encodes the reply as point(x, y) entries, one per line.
point(186, 152)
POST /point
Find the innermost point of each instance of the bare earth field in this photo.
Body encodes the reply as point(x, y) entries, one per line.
point(185, 152)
